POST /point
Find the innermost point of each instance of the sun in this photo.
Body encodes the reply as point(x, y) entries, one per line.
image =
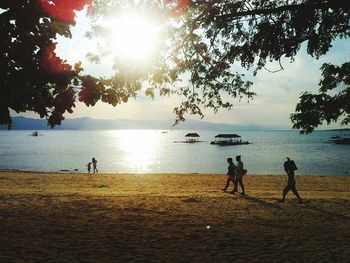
point(134, 37)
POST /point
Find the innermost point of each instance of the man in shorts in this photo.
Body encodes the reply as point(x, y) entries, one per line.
point(290, 167)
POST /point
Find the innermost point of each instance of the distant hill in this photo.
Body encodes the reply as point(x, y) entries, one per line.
point(23, 123)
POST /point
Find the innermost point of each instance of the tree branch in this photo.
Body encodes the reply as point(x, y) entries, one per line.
point(314, 5)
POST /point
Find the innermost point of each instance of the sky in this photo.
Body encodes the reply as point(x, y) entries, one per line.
point(277, 93)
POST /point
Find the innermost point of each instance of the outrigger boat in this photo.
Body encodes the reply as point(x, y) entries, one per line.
point(342, 138)
point(35, 134)
point(228, 139)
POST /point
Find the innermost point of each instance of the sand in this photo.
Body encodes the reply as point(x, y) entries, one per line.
point(57, 217)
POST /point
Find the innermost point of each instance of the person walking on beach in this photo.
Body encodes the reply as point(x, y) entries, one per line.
point(290, 167)
point(240, 171)
point(89, 167)
point(230, 173)
point(94, 165)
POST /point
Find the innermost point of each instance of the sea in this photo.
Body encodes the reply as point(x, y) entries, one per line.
point(163, 151)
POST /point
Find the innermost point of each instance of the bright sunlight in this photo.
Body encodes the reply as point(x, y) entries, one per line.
point(139, 148)
point(135, 37)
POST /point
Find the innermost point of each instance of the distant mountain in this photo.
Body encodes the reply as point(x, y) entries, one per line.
point(23, 123)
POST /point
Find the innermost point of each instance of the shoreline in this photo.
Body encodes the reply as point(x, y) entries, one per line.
point(71, 217)
point(159, 173)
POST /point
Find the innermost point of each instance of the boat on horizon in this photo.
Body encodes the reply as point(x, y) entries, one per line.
point(35, 134)
point(342, 138)
point(228, 139)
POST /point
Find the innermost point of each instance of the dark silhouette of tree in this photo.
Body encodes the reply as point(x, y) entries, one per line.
point(204, 41)
point(34, 78)
point(253, 33)
point(313, 109)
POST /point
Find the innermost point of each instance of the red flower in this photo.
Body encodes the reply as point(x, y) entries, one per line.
point(62, 10)
point(53, 64)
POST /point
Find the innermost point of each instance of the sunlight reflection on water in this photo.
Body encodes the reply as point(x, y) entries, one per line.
point(138, 149)
point(154, 151)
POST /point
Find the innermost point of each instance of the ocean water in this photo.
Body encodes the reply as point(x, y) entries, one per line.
point(156, 151)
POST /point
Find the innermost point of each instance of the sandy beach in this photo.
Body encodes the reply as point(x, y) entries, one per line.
point(58, 217)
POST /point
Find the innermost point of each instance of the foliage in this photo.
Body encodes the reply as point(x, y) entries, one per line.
point(253, 33)
point(205, 40)
point(209, 36)
point(315, 108)
point(32, 77)
point(184, 65)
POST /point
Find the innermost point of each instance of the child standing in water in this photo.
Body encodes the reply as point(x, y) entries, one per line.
point(89, 167)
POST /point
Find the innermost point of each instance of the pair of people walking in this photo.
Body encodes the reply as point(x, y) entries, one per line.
point(235, 174)
point(94, 165)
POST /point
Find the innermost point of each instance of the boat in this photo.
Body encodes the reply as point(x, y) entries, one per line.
point(228, 139)
point(192, 137)
point(342, 138)
point(35, 133)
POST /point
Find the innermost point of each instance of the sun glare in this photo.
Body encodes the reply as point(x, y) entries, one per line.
point(134, 37)
point(140, 149)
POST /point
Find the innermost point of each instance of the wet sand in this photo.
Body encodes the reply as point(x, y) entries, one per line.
point(57, 217)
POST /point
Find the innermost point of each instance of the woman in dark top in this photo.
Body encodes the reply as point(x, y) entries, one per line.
point(231, 173)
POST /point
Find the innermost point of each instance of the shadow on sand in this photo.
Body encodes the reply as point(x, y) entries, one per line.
point(261, 202)
point(309, 206)
point(325, 213)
